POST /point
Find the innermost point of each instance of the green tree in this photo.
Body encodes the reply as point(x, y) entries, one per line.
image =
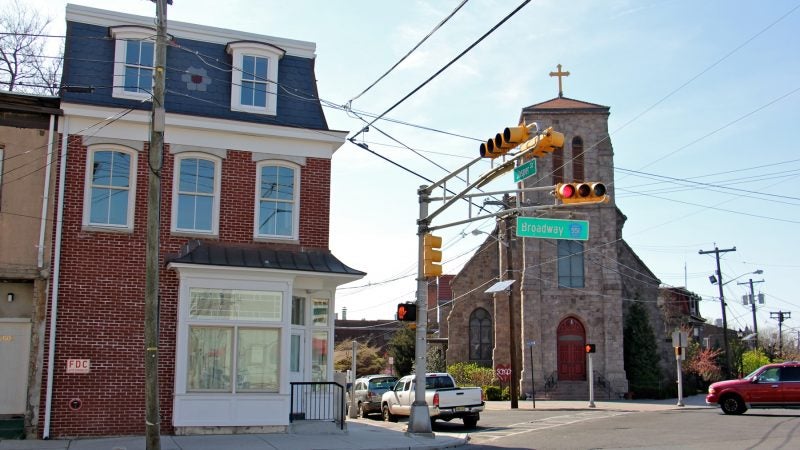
point(401, 348)
point(368, 360)
point(641, 353)
point(436, 359)
point(753, 359)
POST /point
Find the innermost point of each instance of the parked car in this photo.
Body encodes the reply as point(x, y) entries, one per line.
point(769, 386)
point(368, 391)
point(445, 401)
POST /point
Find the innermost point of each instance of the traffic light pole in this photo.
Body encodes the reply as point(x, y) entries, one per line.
point(420, 420)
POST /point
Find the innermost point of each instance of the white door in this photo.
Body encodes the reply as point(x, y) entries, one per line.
point(15, 347)
point(297, 353)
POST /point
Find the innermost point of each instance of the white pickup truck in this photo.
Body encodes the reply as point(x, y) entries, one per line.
point(445, 401)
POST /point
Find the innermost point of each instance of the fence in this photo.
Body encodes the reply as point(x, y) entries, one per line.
point(320, 401)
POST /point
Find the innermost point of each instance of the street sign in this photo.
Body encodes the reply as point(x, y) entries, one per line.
point(524, 170)
point(536, 227)
point(680, 338)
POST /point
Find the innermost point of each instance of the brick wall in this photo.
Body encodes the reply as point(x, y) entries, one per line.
point(101, 292)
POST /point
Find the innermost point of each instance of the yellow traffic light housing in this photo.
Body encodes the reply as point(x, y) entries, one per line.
point(549, 141)
point(432, 256)
point(589, 192)
point(504, 141)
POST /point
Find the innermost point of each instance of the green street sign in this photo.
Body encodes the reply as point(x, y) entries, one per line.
point(524, 171)
point(535, 227)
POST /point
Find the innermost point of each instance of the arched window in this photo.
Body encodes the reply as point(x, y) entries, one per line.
point(480, 337)
point(558, 167)
point(578, 172)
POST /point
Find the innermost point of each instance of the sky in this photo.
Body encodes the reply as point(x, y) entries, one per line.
point(705, 106)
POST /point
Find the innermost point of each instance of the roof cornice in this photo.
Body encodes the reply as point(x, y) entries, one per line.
point(103, 17)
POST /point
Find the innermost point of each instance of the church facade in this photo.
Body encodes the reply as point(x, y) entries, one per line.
point(567, 293)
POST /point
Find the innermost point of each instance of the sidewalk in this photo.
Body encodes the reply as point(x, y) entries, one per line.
point(362, 434)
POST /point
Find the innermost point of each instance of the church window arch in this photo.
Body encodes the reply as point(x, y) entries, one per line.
point(480, 337)
point(578, 169)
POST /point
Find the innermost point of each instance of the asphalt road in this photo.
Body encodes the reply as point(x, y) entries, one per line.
point(697, 428)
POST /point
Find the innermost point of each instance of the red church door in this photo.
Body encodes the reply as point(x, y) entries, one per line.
point(571, 357)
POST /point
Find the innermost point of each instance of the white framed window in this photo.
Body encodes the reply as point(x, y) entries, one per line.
point(134, 58)
point(254, 80)
point(234, 340)
point(110, 187)
point(196, 193)
point(277, 200)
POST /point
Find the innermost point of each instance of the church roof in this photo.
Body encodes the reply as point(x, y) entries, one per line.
point(564, 104)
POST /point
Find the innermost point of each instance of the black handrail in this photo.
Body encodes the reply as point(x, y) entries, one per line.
point(320, 401)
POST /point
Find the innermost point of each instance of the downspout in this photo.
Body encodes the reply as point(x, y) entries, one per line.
point(46, 196)
point(51, 350)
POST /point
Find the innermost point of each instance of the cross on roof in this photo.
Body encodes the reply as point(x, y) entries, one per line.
point(559, 74)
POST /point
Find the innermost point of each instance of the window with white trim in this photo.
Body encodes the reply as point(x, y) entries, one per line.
point(110, 187)
point(134, 58)
point(254, 80)
point(196, 193)
point(234, 340)
point(277, 200)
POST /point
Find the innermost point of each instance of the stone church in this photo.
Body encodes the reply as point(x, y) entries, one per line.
point(566, 293)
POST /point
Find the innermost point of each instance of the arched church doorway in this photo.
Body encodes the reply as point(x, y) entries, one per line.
point(571, 337)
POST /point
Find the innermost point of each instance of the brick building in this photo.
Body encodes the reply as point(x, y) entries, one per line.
point(567, 292)
point(247, 284)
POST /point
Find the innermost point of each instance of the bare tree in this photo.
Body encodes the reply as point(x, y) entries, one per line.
point(23, 65)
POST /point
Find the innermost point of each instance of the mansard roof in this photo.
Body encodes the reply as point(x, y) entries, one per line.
point(194, 51)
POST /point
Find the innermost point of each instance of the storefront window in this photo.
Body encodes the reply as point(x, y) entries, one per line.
point(319, 356)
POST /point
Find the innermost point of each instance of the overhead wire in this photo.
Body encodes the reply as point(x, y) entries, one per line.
point(436, 28)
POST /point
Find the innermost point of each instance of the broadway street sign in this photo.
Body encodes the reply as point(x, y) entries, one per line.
point(536, 227)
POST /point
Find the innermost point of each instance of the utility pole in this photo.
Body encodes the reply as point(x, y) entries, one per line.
point(753, 307)
point(781, 316)
point(716, 253)
point(508, 274)
point(151, 300)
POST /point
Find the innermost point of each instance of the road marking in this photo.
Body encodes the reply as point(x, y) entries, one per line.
point(494, 433)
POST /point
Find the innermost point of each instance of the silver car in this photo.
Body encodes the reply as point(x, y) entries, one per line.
point(368, 391)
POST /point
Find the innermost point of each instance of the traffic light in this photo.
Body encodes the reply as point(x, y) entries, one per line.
point(432, 256)
point(407, 312)
point(590, 348)
point(504, 141)
point(588, 192)
point(549, 141)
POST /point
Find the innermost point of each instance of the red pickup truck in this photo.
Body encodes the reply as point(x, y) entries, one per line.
point(771, 386)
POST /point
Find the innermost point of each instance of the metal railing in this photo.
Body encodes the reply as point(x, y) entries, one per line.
point(551, 382)
point(320, 401)
point(605, 385)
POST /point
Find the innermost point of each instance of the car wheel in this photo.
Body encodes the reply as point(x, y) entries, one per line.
point(471, 421)
point(732, 404)
point(362, 410)
point(387, 415)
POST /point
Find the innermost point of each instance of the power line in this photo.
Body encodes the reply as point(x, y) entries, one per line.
point(414, 91)
point(458, 7)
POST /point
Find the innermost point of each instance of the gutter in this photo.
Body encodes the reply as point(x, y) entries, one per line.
point(46, 196)
point(51, 349)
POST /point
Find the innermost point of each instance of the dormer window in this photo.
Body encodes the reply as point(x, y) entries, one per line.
point(254, 82)
point(134, 58)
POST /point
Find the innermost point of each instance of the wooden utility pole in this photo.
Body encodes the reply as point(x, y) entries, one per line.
point(781, 316)
point(508, 274)
point(716, 253)
point(151, 300)
point(753, 308)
